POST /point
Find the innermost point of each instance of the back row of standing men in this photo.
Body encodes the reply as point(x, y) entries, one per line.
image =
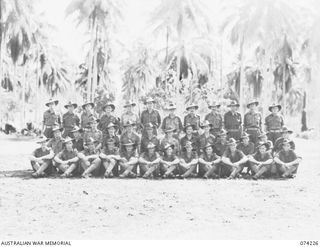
point(231, 121)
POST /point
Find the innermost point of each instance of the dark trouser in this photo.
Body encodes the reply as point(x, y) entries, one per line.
point(49, 170)
point(107, 163)
point(85, 165)
point(287, 171)
point(254, 133)
point(48, 132)
point(144, 132)
point(66, 132)
point(148, 170)
point(225, 170)
point(187, 172)
point(132, 168)
point(168, 169)
point(273, 136)
point(203, 169)
point(236, 134)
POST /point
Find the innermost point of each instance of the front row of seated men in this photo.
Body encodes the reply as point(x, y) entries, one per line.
point(127, 163)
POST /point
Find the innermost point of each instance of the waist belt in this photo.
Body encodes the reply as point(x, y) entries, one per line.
point(252, 128)
point(274, 131)
point(49, 126)
point(233, 130)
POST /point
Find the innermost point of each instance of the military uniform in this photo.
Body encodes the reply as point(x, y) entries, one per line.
point(203, 169)
point(150, 117)
point(38, 153)
point(232, 123)
point(115, 169)
point(246, 149)
point(115, 138)
point(278, 144)
point(193, 119)
point(78, 144)
point(145, 141)
point(67, 155)
point(172, 122)
point(144, 168)
point(220, 147)
point(56, 144)
point(226, 169)
point(252, 125)
point(86, 117)
point(88, 152)
point(204, 140)
point(50, 119)
point(128, 156)
point(125, 138)
point(286, 157)
point(105, 120)
point(274, 124)
point(95, 134)
point(69, 121)
point(132, 117)
point(265, 169)
point(216, 121)
point(194, 140)
point(171, 141)
point(164, 168)
point(184, 156)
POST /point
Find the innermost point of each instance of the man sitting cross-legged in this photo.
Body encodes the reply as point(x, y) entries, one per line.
point(149, 162)
point(188, 161)
point(287, 161)
point(41, 159)
point(232, 160)
point(128, 160)
point(109, 157)
point(169, 162)
point(89, 164)
point(208, 162)
point(67, 159)
point(261, 162)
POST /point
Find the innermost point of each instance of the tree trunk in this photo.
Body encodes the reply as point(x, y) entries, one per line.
point(221, 62)
point(167, 45)
point(284, 89)
point(95, 66)
point(90, 62)
point(242, 77)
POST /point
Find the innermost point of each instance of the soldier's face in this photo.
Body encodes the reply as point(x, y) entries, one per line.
point(171, 111)
point(286, 147)
point(69, 146)
point(57, 133)
point(129, 148)
point(76, 134)
point(262, 149)
point(51, 106)
point(192, 110)
point(207, 129)
point(70, 109)
point(149, 132)
point(263, 138)
point(110, 146)
point(214, 109)
point(253, 107)
point(232, 147)
point(151, 150)
point(43, 145)
point(189, 148)
point(245, 140)
point(189, 130)
point(209, 150)
point(91, 146)
point(286, 134)
point(234, 108)
point(108, 109)
point(111, 131)
point(169, 151)
point(149, 105)
point(129, 128)
point(88, 107)
point(274, 109)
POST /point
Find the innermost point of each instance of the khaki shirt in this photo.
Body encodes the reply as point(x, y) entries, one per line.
point(70, 120)
point(51, 118)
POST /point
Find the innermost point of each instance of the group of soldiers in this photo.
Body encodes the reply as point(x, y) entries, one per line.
point(220, 146)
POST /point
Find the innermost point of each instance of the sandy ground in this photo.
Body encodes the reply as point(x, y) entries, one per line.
point(171, 209)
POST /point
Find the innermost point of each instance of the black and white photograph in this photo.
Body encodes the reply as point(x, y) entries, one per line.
point(159, 120)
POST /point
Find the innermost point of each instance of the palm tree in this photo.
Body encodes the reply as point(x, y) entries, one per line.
point(181, 20)
point(261, 23)
point(101, 17)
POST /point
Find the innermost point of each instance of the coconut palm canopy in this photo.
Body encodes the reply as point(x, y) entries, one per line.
point(173, 49)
